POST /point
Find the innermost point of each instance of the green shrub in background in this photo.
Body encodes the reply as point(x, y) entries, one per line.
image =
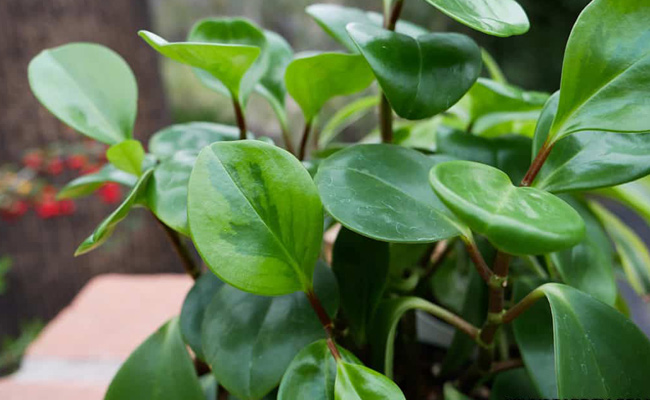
point(272, 320)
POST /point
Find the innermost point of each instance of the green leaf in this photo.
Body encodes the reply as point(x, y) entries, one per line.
point(167, 191)
point(313, 79)
point(492, 67)
point(89, 87)
point(193, 312)
point(421, 76)
point(271, 86)
point(356, 382)
point(345, 117)
point(384, 328)
point(193, 136)
point(516, 220)
point(377, 191)
point(226, 63)
point(105, 229)
point(451, 393)
point(589, 159)
point(312, 373)
point(605, 71)
point(488, 97)
point(333, 18)
point(127, 156)
point(495, 17)
point(160, 369)
point(88, 184)
point(513, 384)
point(631, 249)
point(255, 217)
point(232, 32)
point(510, 154)
point(503, 123)
point(249, 341)
point(361, 268)
point(588, 266)
point(599, 353)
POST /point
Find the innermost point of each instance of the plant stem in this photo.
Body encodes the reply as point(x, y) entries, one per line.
point(391, 16)
point(326, 321)
point(241, 119)
point(506, 365)
point(286, 136)
point(536, 165)
point(481, 266)
point(186, 258)
point(304, 140)
point(523, 305)
point(452, 319)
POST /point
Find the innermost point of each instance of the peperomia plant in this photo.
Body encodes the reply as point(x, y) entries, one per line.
point(481, 208)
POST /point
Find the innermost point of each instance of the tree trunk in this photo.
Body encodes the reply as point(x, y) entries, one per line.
point(45, 276)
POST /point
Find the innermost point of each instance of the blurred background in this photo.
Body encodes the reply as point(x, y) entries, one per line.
point(38, 273)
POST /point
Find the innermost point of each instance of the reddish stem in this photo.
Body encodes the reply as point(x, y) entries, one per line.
point(326, 321)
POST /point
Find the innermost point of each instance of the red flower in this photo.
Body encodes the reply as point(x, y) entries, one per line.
point(110, 193)
point(66, 207)
point(16, 210)
point(76, 161)
point(47, 209)
point(32, 160)
point(55, 166)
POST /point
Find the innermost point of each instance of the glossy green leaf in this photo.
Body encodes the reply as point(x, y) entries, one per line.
point(589, 159)
point(250, 340)
point(160, 369)
point(588, 266)
point(333, 18)
point(356, 382)
point(345, 117)
point(105, 229)
point(89, 87)
point(127, 156)
point(495, 17)
point(89, 183)
point(255, 217)
point(313, 79)
point(271, 86)
point(422, 76)
point(631, 249)
point(516, 220)
point(167, 191)
point(232, 32)
point(384, 328)
point(510, 154)
point(361, 268)
point(377, 191)
point(210, 387)
point(604, 77)
point(193, 312)
point(226, 63)
point(513, 384)
point(598, 352)
point(312, 373)
point(193, 136)
point(488, 97)
point(503, 123)
point(451, 393)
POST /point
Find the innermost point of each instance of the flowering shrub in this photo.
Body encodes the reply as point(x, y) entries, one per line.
point(430, 219)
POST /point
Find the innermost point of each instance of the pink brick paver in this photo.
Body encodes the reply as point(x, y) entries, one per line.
point(81, 349)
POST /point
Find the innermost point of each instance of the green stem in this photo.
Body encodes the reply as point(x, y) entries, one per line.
point(391, 16)
point(523, 305)
point(241, 118)
point(181, 250)
point(304, 140)
point(452, 319)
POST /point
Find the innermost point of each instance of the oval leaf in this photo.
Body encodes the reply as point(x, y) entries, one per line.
point(604, 77)
point(312, 80)
point(516, 220)
point(227, 63)
point(105, 229)
point(356, 382)
point(231, 32)
point(513, 384)
point(87, 184)
point(421, 76)
point(127, 156)
point(495, 17)
point(255, 217)
point(312, 373)
point(160, 369)
point(193, 136)
point(89, 87)
point(599, 353)
point(193, 312)
point(361, 268)
point(271, 85)
point(376, 190)
point(250, 340)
